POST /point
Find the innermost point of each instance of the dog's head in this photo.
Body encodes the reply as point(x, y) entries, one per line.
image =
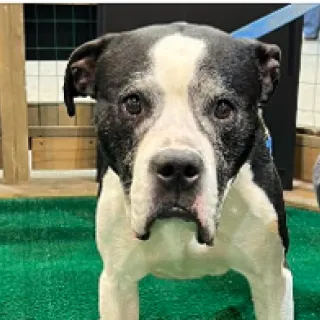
point(176, 115)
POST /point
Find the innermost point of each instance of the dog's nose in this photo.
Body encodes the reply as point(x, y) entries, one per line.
point(177, 168)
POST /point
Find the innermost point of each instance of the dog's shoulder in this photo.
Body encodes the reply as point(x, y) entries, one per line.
point(266, 178)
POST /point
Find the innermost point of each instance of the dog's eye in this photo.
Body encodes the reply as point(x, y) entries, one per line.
point(223, 109)
point(132, 104)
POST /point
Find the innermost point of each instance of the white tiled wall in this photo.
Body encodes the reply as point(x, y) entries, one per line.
point(309, 86)
point(44, 81)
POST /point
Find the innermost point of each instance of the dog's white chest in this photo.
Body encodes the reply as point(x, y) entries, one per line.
point(174, 252)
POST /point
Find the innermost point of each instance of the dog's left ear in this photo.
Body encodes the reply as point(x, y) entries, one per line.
point(268, 59)
point(79, 79)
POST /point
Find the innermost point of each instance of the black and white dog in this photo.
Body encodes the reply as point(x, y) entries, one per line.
point(191, 188)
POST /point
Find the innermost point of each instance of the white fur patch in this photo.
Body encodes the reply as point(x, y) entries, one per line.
point(174, 59)
point(287, 303)
point(255, 196)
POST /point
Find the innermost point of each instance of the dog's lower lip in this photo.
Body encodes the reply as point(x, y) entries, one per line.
point(143, 237)
point(176, 212)
point(203, 235)
point(203, 238)
point(178, 209)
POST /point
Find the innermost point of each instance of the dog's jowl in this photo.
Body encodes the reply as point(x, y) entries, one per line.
point(190, 187)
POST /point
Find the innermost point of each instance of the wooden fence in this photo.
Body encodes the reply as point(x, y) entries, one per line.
point(43, 131)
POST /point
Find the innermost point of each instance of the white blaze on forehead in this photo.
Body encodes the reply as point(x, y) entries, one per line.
point(174, 61)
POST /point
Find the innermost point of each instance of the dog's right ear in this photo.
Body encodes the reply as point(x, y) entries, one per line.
point(79, 79)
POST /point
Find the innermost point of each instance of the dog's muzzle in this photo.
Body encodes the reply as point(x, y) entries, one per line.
point(177, 173)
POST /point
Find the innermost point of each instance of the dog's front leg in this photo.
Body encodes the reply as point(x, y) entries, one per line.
point(118, 298)
point(272, 296)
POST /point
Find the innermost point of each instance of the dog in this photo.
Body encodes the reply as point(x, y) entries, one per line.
point(189, 187)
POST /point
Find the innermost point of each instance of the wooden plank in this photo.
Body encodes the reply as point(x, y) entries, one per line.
point(48, 187)
point(63, 153)
point(84, 115)
point(308, 140)
point(63, 118)
point(63, 144)
point(33, 116)
point(305, 158)
point(62, 131)
point(302, 196)
point(49, 115)
point(314, 131)
point(13, 94)
point(306, 152)
point(64, 163)
point(1, 157)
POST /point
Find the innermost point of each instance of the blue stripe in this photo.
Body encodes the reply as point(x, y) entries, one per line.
point(273, 21)
point(269, 144)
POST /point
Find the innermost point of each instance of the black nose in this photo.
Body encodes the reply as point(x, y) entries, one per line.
point(177, 168)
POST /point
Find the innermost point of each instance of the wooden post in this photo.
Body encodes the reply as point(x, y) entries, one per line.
point(13, 106)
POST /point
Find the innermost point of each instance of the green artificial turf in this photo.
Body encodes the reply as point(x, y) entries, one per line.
point(49, 269)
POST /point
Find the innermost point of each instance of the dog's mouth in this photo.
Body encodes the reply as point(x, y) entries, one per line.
point(177, 212)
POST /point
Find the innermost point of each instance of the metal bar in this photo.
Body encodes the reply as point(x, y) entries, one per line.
point(13, 106)
point(272, 21)
point(60, 20)
point(50, 48)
